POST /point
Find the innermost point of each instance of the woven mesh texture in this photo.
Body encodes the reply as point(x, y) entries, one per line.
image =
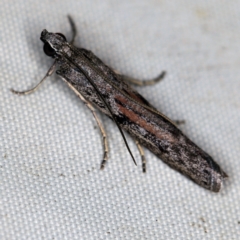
point(50, 148)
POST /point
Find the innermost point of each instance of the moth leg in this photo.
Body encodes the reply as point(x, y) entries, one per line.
point(140, 149)
point(99, 123)
point(179, 122)
point(104, 136)
point(48, 74)
point(73, 28)
point(143, 82)
point(101, 128)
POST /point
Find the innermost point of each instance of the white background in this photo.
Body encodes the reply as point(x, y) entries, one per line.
point(50, 149)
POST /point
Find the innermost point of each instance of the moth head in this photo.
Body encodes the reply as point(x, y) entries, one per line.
point(52, 42)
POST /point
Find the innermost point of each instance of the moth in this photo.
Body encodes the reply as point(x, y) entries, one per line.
point(99, 86)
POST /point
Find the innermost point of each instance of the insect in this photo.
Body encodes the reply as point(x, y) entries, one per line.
point(97, 85)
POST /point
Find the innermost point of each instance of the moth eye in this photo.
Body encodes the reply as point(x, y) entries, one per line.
point(48, 50)
point(61, 35)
